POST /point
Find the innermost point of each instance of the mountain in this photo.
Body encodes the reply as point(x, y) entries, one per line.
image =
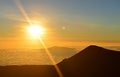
point(28, 71)
point(93, 61)
point(62, 51)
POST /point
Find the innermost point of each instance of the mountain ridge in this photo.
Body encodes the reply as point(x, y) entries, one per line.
point(93, 61)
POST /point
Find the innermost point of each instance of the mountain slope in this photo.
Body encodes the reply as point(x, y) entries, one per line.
point(93, 61)
point(28, 71)
point(62, 51)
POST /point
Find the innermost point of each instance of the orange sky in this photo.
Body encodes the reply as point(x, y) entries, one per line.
point(35, 44)
point(66, 25)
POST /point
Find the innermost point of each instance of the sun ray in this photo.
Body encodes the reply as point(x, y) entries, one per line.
point(22, 10)
point(51, 58)
point(19, 4)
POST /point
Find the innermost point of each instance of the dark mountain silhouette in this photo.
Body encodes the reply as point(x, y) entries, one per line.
point(93, 61)
point(62, 51)
point(28, 71)
point(59, 53)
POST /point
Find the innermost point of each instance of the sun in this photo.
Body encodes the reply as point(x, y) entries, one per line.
point(35, 31)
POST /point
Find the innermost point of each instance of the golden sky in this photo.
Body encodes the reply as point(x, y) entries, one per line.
point(66, 23)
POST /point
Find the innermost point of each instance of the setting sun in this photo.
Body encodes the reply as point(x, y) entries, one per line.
point(35, 31)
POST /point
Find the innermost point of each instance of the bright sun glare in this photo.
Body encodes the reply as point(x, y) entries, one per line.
point(35, 31)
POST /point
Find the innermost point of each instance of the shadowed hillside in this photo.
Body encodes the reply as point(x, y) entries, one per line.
point(93, 61)
point(28, 71)
point(62, 51)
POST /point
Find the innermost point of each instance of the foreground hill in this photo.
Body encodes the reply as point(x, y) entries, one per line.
point(93, 61)
point(28, 71)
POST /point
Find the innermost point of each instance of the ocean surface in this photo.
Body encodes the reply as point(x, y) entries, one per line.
point(34, 56)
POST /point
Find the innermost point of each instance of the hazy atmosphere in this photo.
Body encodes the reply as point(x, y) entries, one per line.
point(59, 38)
point(70, 23)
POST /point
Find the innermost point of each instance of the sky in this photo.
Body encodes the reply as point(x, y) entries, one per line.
point(67, 22)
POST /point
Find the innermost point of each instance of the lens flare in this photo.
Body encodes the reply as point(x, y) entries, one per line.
point(36, 32)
